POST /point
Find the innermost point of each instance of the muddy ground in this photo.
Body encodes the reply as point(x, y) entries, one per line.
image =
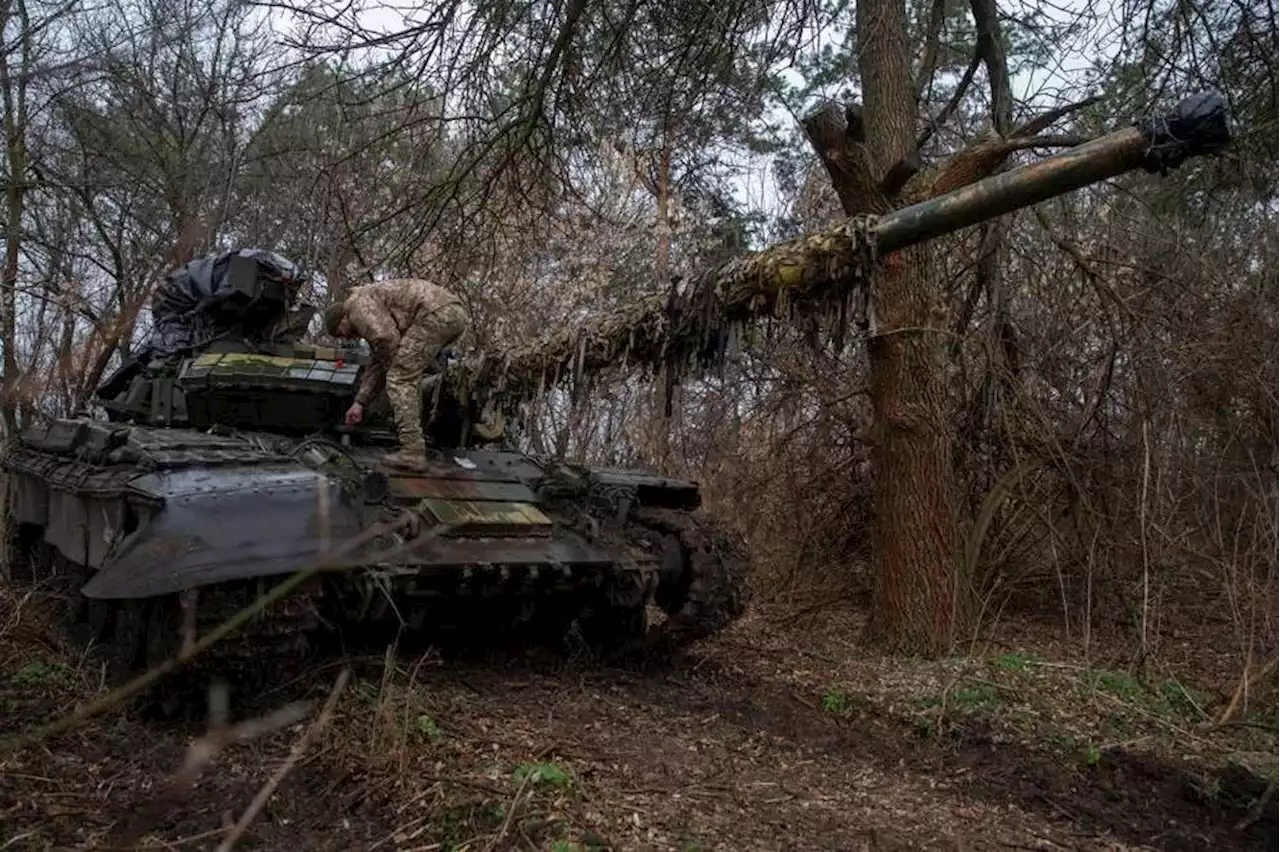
point(782, 734)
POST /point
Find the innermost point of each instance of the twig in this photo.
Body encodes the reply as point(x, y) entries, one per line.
point(322, 720)
point(1242, 688)
point(1185, 694)
point(195, 838)
point(1124, 744)
point(1156, 717)
point(15, 617)
point(147, 678)
point(1044, 120)
point(1142, 531)
point(511, 812)
point(200, 754)
point(942, 705)
point(400, 830)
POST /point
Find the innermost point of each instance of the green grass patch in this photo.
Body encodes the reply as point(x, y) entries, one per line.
point(40, 673)
point(428, 729)
point(1015, 662)
point(971, 697)
point(543, 775)
point(840, 702)
point(1171, 699)
point(1077, 749)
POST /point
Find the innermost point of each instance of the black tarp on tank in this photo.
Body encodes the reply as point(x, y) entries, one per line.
point(201, 300)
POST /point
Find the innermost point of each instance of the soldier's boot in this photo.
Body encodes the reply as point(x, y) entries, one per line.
point(413, 449)
point(413, 458)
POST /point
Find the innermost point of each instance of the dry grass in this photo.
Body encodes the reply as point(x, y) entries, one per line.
point(770, 737)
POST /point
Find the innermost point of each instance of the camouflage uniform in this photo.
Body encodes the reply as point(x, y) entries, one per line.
point(406, 321)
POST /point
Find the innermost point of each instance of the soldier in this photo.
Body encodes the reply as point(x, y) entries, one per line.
point(406, 321)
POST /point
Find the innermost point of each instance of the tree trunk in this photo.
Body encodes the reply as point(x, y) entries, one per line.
point(660, 427)
point(664, 213)
point(15, 132)
point(916, 529)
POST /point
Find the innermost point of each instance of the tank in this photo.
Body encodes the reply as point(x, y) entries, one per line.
point(217, 467)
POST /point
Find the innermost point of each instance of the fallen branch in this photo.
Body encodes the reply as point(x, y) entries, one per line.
point(1255, 810)
point(511, 812)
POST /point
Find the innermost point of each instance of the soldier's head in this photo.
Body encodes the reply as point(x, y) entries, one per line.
point(336, 322)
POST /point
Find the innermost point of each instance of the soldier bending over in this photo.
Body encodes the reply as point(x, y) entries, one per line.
point(406, 321)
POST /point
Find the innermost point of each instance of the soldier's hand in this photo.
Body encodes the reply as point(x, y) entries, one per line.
point(354, 414)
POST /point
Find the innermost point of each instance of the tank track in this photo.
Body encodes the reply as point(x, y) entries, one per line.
point(127, 637)
point(262, 654)
point(702, 595)
point(698, 580)
point(97, 460)
point(713, 591)
point(488, 606)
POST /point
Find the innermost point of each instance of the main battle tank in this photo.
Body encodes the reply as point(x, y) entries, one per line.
point(219, 468)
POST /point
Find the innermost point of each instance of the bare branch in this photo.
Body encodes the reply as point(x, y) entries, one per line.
point(840, 147)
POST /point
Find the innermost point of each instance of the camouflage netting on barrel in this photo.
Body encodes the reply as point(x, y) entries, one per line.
point(695, 323)
point(823, 272)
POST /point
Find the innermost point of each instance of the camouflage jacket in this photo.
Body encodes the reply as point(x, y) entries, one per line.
point(381, 313)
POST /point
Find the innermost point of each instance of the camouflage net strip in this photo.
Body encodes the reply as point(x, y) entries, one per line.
point(669, 333)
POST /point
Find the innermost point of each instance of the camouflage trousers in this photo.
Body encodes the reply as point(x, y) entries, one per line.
point(418, 347)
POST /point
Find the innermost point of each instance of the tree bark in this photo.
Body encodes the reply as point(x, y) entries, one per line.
point(838, 136)
point(15, 132)
point(917, 585)
point(916, 528)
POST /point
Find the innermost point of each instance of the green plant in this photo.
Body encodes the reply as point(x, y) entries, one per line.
point(428, 728)
point(543, 774)
point(38, 672)
point(1015, 662)
point(836, 701)
point(975, 696)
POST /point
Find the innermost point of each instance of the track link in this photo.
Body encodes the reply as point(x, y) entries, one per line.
point(712, 591)
point(132, 636)
point(703, 589)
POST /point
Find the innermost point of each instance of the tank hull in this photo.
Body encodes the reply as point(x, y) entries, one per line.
point(141, 522)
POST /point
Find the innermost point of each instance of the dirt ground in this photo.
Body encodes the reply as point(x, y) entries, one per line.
point(782, 734)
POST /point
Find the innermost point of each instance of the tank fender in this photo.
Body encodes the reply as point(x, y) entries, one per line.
point(618, 492)
point(223, 524)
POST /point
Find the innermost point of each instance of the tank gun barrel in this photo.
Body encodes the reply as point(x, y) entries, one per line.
point(1197, 125)
point(822, 269)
